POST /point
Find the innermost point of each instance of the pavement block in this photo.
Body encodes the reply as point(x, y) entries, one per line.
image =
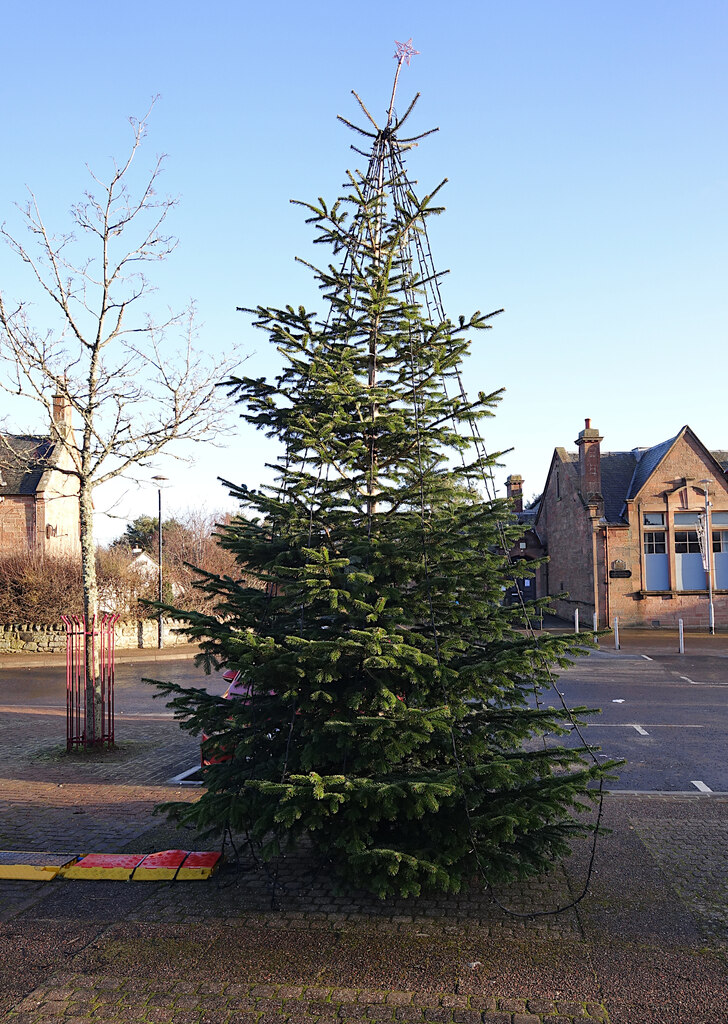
point(31, 866)
point(167, 865)
point(159, 867)
point(198, 865)
point(115, 867)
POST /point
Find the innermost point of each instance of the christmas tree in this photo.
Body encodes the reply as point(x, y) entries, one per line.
point(392, 712)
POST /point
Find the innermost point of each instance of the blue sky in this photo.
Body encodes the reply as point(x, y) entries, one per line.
point(585, 147)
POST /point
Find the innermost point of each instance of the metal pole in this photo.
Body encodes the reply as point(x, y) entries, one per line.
point(681, 636)
point(576, 620)
point(616, 632)
point(160, 637)
point(595, 621)
point(709, 560)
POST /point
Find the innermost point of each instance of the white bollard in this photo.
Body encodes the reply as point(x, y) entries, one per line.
point(595, 621)
point(616, 632)
point(681, 636)
point(576, 620)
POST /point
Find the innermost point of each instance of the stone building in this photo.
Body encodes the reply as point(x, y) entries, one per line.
point(625, 532)
point(529, 548)
point(39, 508)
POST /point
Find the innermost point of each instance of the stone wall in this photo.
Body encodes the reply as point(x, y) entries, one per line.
point(46, 522)
point(17, 524)
point(676, 486)
point(26, 637)
point(565, 526)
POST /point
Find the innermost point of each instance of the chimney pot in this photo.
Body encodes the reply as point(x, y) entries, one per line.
point(590, 469)
point(62, 413)
point(514, 491)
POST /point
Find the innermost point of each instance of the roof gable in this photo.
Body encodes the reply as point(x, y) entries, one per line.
point(653, 458)
point(560, 458)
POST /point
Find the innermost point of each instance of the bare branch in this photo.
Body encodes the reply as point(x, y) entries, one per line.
point(131, 386)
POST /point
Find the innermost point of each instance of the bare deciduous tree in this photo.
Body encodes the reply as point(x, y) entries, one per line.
point(127, 386)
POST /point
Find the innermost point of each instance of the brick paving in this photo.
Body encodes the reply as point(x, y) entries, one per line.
point(151, 750)
point(73, 997)
point(649, 945)
point(693, 853)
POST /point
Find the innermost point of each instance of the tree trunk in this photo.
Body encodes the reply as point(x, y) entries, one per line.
point(93, 695)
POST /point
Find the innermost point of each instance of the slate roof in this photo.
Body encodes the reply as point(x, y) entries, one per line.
point(649, 460)
point(24, 459)
point(529, 515)
point(618, 471)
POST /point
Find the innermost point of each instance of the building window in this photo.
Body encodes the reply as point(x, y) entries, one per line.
point(720, 549)
point(655, 543)
point(689, 571)
point(657, 573)
point(686, 542)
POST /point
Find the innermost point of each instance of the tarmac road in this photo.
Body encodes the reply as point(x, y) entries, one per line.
point(44, 686)
point(665, 714)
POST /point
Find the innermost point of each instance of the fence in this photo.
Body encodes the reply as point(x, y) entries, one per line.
point(89, 710)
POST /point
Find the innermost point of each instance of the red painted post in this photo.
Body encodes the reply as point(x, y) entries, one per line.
point(69, 683)
point(79, 679)
point(90, 727)
point(108, 667)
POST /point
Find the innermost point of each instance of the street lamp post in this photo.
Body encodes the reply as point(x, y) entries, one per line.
point(708, 558)
point(160, 627)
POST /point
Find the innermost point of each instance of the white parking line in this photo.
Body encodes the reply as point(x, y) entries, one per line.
point(640, 730)
point(701, 786)
point(646, 657)
point(689, 680)
point(186, 778)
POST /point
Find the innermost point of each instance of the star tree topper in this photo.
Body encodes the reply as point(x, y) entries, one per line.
point(404, 51)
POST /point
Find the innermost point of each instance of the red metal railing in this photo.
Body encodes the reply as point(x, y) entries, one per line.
point(89, 717)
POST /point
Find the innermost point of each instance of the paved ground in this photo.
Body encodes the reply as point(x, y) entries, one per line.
point(648, 945)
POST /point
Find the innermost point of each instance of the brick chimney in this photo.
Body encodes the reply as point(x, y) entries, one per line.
point(61, 413)
point(514, 490)
point(590, 469)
